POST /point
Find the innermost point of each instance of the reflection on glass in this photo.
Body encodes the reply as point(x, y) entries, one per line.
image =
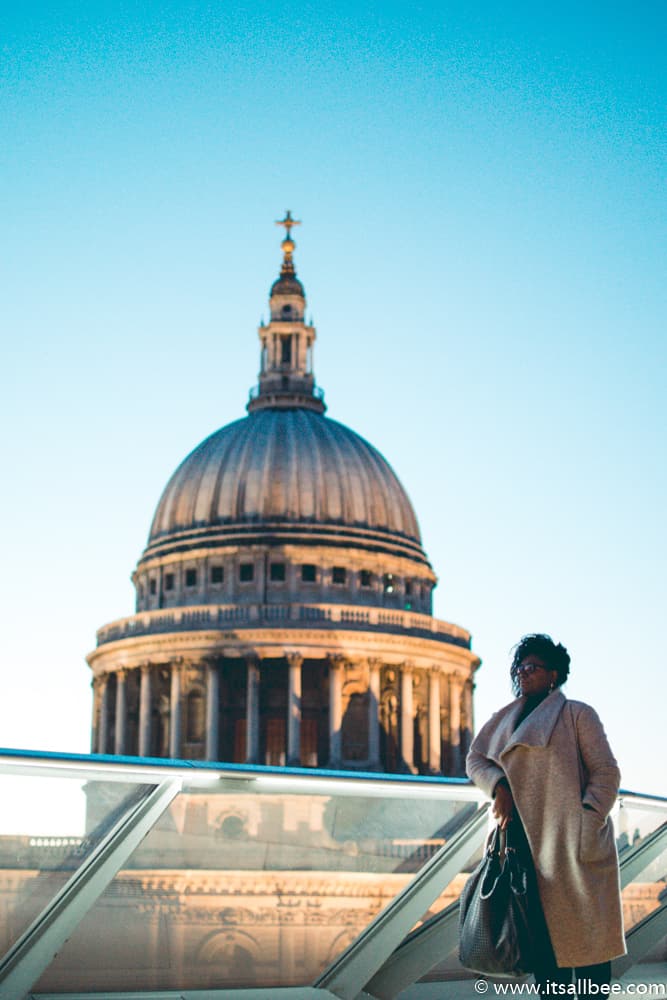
point(635, 819)
point(36, 857)
point(242, 887)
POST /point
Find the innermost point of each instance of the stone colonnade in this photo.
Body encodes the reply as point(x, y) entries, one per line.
point(446, 706)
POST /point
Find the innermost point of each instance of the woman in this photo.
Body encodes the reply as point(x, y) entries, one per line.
point(547, 765)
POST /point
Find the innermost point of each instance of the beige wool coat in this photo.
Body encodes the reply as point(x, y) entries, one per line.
point(557, 760)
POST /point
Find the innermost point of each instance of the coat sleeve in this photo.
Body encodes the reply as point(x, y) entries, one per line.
point(602, 777)
point(483, 771)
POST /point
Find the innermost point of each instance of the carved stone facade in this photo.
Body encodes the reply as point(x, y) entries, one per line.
point(283, 609)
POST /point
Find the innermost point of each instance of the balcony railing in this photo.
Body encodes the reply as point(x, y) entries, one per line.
point(327, 616)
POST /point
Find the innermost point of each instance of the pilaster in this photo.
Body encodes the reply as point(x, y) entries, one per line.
point(252, 710)
point(407, 717)
point(175, 713)
point(294, 661)
point(145, 717)
point(374, 762)
point(434, 741)
point(336, 667)
point(212, 711)
point(120, 730)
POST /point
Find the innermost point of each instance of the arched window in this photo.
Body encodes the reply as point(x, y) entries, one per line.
point(195, 717)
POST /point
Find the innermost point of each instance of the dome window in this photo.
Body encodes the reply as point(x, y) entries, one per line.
point(339, 574)
point(287, 312)
point(217, 574)
point(389, 585)
point(277, 572)
point(365, 578)
point(152, 586)
point(169, 581)
point(308, 573)
point(408, 588)
point(286, 350)
point(246, 572)
point(191, 578)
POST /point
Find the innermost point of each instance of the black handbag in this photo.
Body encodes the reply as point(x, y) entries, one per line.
point(494, 921)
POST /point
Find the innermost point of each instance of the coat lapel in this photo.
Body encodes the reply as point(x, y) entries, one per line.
point(534, 731)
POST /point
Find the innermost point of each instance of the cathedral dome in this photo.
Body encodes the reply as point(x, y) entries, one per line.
point(287, 470)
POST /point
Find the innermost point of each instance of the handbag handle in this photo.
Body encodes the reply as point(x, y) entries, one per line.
point(494, 864)
point(501, 855)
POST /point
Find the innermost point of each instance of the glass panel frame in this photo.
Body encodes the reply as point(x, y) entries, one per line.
point(350, 809)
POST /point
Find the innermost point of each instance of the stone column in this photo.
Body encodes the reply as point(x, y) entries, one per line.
point(455, 725)
point(335, 711)
point(252, 712)
point(468, 715)
point(94, 729)
point(294, 660)
point(145, 717)
point(175, 712)
point(212, 711)
point(407, 718)
point(434, 741)
point(121, 712)
point(103, 725)
point(374, 714)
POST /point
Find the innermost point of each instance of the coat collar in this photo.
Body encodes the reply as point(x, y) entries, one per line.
point(534, 731)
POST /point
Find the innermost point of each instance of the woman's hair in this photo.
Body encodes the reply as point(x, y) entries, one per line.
point(555, 657)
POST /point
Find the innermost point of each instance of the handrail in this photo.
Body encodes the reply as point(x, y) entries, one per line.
point(15, 758)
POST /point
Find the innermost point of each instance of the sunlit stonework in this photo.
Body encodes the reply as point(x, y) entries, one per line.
point(284, 599)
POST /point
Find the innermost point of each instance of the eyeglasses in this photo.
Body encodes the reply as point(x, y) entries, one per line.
point(529, 668)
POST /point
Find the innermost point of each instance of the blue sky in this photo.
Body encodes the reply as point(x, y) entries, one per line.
point(483, 247)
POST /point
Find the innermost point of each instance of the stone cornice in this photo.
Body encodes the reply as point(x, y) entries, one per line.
point(269, 643)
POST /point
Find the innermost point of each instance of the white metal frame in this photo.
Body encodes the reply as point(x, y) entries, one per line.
point(34, 951)
point(348, 975)
point(384, 960)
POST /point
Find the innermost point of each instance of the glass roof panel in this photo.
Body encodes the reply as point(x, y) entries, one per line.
point(48, 827)
point(259, 882)
point(635, 818)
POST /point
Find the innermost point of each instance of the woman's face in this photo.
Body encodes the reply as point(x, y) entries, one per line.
point(534, 678)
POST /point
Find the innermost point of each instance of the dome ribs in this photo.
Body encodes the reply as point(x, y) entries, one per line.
point(398, 509)
point(342, 452)
point(278, 467)
point(230, 464)
point(272, 497)
point(294, 510)
point(331, 490)
point(220, 463)
point(175, 497)
point(250, 474)
point(203, 509)
point(309, 459)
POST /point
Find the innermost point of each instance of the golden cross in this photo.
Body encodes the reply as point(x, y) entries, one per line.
point(288, 222)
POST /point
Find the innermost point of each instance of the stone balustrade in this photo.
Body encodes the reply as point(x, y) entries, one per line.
point(207, 617)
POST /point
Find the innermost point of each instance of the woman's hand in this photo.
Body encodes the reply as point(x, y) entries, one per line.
point(503, 805)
